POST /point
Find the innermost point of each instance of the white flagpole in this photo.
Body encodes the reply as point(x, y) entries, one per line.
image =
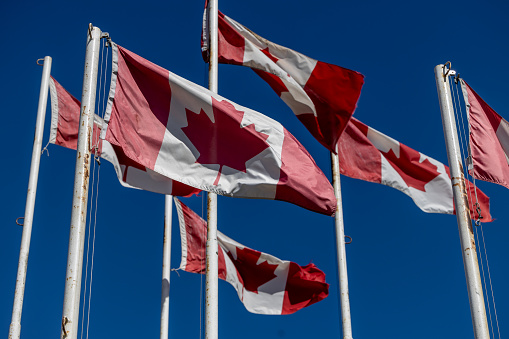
point(473, 277)
point(70, 314)
point(15, 328)
point(165, 288)
point(211, 272)
point(341, 251)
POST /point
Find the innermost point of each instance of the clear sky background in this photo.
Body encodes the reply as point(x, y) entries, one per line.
point(405, 266)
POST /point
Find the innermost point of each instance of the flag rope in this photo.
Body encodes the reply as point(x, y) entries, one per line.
point(102, 83)
point(463, 146)
point(489, 279)
point(478, 223)
point(94, 195)
point(202, 268)
point(88, 252)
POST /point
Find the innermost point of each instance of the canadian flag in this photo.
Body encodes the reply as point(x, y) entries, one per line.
point(489, 139)
point(264, 283)
point(189, 134)
point(323, 96)
point(367, 154)
point(65, 118)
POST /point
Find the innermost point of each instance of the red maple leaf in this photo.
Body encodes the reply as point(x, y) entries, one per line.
point(251, 274)
point(224, 141)
point(415, 174)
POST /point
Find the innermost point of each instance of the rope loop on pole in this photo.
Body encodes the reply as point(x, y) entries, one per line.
point(457, 78)
point(18, 223)
point(478, 210)
point(448, 69)
point(97, 157)
point(90, 28)
point(39, 63)
point(349, 241)
point(64, 322)
point(106, 36)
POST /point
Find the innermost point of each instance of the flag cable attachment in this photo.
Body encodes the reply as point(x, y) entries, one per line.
point(467, 169)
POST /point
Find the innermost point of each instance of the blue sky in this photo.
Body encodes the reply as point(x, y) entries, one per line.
point(405, 267)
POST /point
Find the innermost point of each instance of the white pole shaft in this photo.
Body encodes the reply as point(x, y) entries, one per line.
point(15, 328)
point(211, 272)
point(346, 320)
point(475, 290)
point(70, 314)
point(165, 288)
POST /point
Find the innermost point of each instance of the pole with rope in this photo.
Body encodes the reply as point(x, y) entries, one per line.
point(346, 321)
point(15, 327)
point(211, 271)
point(70, 313)
point(165, 288)
point(469, 252)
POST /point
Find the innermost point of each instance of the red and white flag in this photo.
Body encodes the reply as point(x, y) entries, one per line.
point(264, 283)
point(65, 118)
point(189, 134)
point(323, 96)
point(489, 139)
point(367, 154)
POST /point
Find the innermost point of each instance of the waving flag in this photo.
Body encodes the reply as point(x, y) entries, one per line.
point(264, 283)
point(189, 134)
point(489, 139)
point(367, 154)
point(65, 118)
point(323, 96)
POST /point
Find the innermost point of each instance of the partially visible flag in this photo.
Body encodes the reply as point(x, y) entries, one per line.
point(65, 118)
point(489, 139)
point(323, 96)
point(264, 283)
point(189, 134)
point(367, 154)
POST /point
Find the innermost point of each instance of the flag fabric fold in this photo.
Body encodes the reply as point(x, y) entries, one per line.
point(323, 96)
point(191, 135)
point(489, 139)
point(264, 283)
point(369, 155)
point(65, 118)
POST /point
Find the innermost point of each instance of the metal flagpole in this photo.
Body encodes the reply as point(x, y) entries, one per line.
point(341, 251)
point(165, 288)
point(475, 291)
point(15, 328)
point(70, 314)
point(211, 272)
